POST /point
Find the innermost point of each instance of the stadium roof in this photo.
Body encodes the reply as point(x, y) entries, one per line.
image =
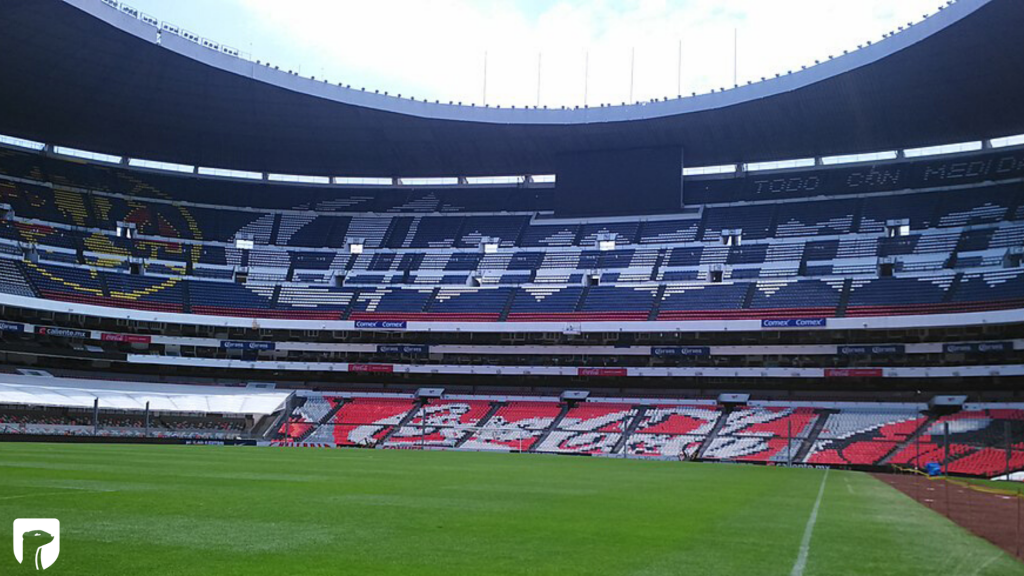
point(81, 393)
point(84, 74)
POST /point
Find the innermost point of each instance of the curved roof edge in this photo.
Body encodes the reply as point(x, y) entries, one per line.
point(871, 53)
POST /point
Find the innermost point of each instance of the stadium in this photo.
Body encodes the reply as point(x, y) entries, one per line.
point(255, 322)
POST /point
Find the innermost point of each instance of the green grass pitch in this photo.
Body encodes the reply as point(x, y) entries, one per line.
point(154, 510)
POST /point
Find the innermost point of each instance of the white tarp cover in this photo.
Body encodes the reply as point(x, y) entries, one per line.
point(73, 392)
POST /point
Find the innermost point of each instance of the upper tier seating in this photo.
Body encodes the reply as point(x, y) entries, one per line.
point(807, 256)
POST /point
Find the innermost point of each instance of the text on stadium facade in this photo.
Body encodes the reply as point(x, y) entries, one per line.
point(421, 349)
point(378, 368)
point(381, 324)
point(11, 327)
point(238, 345)
point(977, 347)
point(854, 373)
point(601, 372)
point(62, 332)
point(793, 322)
point(885, 350)
point(681, 351)
point(129, 338)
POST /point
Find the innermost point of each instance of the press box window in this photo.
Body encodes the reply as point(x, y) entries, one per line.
point(356, 245)
point(732, 237)
point(606, 242)
point(125, 230)
point(897, 228)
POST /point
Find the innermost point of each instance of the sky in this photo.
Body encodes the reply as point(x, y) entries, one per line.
point(536, 52)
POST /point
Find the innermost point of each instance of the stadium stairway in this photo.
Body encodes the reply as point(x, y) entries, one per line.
point(306, 434)
point(275, 425)
point(582, 300)
point(266, 426)
point(328, 417)
point(503, 316)
point(551, 428)
point(495, 406)
point(844, 298)
point(812, 436)
point(275, 228)
point(656, 306)
point(276, 296)
point(628, 430)
point(710, 438)
point(186, 296)
point(102, 279)
point(748, 298)
point(909, 441)
point(773, 222)
point(950, 294)
point(657, 266)
point(409, 416)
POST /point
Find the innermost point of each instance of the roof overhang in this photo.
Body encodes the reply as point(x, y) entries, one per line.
point(82, 74)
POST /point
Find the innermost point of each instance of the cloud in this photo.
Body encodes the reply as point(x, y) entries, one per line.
point(435, 49)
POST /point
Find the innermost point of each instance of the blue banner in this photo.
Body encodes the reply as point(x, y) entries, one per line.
point(420, 349)
point(11, 327)
point(793, 323)
point(883, 350)
point(681, 351)
point(382, 324)
point(237, 345)
point(977, 347)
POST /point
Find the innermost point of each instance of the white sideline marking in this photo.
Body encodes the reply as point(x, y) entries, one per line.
point(805, 544)
point(17, 496)
point(986, 563)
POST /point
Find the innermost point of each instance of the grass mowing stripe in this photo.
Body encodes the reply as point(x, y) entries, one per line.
point(805, 544)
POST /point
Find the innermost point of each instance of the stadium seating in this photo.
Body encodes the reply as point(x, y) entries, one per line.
point(863, 437)
point(440, 423)
point(515, 426)
point(366, 421)
point(591, 428)
point(808, 257)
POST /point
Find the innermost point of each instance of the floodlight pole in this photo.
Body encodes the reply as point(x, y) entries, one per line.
point(485, 78)
point(1007, 433)
point(789, 441)
point(917, 442)
point(735, 55)
point(945, 441)
point(679, 71)
point(586, 79)
point(632, 72)
point(539, 56)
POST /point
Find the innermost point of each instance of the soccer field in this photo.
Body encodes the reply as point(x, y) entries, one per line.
point(223, 510)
